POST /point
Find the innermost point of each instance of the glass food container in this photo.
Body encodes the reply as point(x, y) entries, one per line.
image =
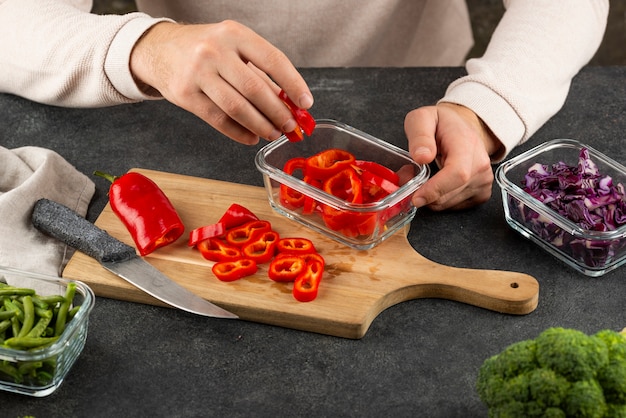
point(590, 252)
point(40, 371)
point(363, 225)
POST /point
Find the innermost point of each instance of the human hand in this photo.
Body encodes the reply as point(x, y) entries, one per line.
point(461, 145)
point(225, 74)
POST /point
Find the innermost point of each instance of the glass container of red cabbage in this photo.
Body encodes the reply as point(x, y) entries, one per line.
point(569, 199)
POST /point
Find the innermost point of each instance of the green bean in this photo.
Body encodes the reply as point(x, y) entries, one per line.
point(29, 342)
point(40, 327)
point(16, 291)
point(29, 316)
point(59, 326)
point(5, 324)
point(40, 303)
point(10, 370)
point(11, 306)
point(6, 314)
point(28, 367)
point(73, 311)
point(52, 300)
point(15, 325)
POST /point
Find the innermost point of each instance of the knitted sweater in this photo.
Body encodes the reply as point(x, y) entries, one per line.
point(56, 52)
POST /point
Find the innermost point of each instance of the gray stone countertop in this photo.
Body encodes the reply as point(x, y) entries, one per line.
point(419, 358)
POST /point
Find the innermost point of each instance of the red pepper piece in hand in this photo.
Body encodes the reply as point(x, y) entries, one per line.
point(302, 116)
point(296, 135)
point(306, 285)
point(145, 210)
point(345, 185)
point(295, 246)
point(206, 232)
point(228, 271)
point(285, 268)
point(327, 163)
point(243, 234)
point(237, 215)
point(215, 249)
point(261, 247)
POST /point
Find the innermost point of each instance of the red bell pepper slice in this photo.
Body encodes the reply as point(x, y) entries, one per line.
point(327, 163)
point(290, 198)
point(295, 246)
point(308, 258)
point(302, 116)
point(228, 271)
point(262, 247)
point(296, 135)
point(244, 234)
point(345, 185)
point(306, 285)
point(215, 249)
point(237, 215)
point(206, 232)
point(145, 210)
point(379, 170)
point(285, 268)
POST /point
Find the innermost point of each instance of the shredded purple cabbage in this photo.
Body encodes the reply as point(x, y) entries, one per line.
point(584, 196)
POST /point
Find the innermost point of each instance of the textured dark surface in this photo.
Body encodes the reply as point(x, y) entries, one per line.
point(419, 358)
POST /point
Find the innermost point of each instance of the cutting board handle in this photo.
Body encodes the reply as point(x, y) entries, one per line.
point(501, 291)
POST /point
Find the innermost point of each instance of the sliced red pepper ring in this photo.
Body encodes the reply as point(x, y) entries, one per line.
point(228, 271)
point(244, 234)
point(296, 135)
point(206, 232)
point(327, 163)
point(262, 247)
point(215, 249)
point(345, 185)
point(379, 170)
point(302, 116)
point(308, 258)
point(306, 285)
point(285, 268)
point(295, 246)
point(237, 215)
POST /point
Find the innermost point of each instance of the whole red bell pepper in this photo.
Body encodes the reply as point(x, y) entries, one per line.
point(306, 285)
point(228, 271)
point(215, 249)
point(145, 210)
point(244, 234)
point(327, 163)
point(261, 247)
point(286, 267)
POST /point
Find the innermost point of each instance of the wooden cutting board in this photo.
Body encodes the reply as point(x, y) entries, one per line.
point(356, 287)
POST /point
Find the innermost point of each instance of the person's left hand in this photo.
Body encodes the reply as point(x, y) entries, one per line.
point(461, 144)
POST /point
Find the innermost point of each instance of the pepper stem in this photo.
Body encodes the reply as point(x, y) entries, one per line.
point(107, 176)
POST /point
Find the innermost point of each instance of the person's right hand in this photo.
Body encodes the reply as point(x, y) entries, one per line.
point(225, 74)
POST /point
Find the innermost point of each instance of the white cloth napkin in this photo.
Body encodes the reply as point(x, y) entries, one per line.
point(28, 174)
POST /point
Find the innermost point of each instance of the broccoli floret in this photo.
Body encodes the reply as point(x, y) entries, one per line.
point(561, 373)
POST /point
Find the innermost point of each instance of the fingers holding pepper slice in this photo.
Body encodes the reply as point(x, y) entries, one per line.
point(306, 123)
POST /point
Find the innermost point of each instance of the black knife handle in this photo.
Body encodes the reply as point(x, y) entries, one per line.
point(64, 224)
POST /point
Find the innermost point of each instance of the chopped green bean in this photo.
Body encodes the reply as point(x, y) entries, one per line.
point(53, 299)
point(40, 303)
point(29, 316)
point(5, 325)
point(10, 370)
point(59, 326)
point(40, 327)
point(12, 306)
point(29, 342)
point(6, 314)
point(16, 291)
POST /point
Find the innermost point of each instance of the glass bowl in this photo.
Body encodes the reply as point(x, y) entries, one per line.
point(363, 225)
point(40, 371)
point(590, 252)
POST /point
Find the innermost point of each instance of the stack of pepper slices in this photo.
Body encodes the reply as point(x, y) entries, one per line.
point(338, 173)
point(240, 241)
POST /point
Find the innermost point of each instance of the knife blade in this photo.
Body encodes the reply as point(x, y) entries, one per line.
point(64, 224)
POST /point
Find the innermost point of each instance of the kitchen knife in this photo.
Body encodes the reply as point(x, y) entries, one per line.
point(69, 227)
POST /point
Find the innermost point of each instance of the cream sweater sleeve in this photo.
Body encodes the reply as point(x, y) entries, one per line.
point(524, 76)
point(56, 52)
